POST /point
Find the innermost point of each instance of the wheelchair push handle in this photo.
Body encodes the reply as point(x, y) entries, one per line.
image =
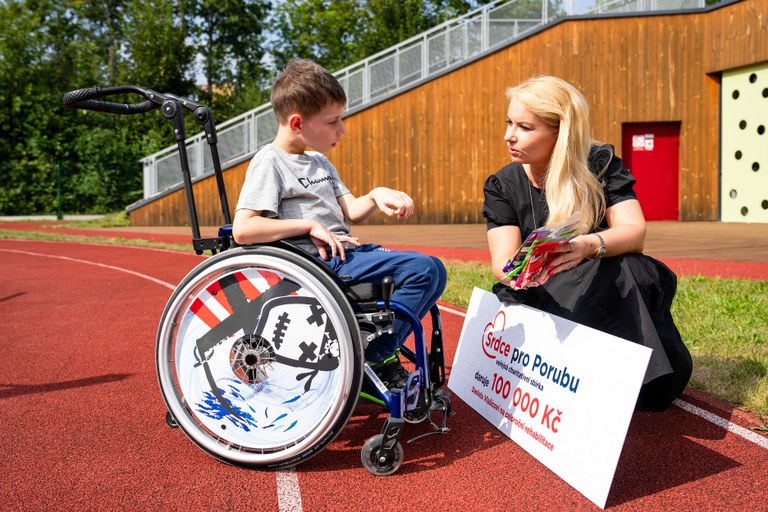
point(171, 107)
point(87, 99)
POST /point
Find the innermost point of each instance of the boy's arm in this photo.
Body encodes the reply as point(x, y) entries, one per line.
point(391, 202)
point(250, 227)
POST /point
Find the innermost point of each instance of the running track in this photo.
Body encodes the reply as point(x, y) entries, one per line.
point(83, 428)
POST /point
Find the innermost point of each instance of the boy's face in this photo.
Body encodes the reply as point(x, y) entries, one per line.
point(322, 131)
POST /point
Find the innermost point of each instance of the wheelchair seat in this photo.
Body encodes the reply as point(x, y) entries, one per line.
point(356, 292)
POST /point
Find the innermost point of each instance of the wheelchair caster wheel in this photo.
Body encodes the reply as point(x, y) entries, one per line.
point(380, 464)
point(170, 420)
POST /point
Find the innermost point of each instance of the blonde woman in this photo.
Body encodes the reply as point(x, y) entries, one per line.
point(601, 278)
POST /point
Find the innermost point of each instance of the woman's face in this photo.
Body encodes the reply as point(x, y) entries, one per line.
point(529, 139)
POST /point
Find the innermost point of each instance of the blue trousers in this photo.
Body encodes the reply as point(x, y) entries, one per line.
point(419, 281)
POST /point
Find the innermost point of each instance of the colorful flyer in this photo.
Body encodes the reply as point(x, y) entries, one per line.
point(535, 252)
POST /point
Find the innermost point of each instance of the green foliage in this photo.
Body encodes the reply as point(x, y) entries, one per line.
point(49, 47)
point(228, 36)
point(337, 33)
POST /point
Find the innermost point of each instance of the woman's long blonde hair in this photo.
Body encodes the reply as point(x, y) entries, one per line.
point(570, 185)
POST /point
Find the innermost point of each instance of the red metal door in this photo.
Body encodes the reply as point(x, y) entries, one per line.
point(651, 151)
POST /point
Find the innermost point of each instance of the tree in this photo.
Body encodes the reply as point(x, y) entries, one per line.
point(48, 48)
point(337, 33)
point(155, 39)
point(229, 38)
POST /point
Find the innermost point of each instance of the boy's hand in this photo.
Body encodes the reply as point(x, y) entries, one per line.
point(323, 238)
point(393, 202)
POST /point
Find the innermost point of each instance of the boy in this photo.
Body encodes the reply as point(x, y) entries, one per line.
point(294, 194)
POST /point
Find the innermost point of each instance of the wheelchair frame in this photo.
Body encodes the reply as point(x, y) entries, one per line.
point(234, 368)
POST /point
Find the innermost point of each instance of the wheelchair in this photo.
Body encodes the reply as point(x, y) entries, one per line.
point(259, 351)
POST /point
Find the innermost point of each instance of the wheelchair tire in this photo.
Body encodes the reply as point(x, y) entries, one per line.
point(384, 466)
point(259, 358)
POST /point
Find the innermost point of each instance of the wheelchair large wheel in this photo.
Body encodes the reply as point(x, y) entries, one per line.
point(259, 357)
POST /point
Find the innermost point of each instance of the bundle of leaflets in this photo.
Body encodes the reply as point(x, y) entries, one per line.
point(536, 251)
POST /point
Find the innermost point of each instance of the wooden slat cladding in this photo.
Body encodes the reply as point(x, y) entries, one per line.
point(172, 210)
point(439, 141)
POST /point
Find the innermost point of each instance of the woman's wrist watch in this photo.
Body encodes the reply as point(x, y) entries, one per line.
point(600, 250)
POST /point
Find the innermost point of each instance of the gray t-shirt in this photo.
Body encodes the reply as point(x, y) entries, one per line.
point(286, 186)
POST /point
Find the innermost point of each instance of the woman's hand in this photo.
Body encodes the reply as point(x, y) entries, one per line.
point(625, 233)
point(570, 254)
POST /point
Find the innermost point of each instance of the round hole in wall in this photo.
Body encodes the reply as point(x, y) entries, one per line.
point(764, 204)
point(736, 94)
point(755, 166)
point(738, 155)
point(760, 130)
point(752, 78)
point(765, 92)
point(742, 124)
point(733, 193)
point(744, 211)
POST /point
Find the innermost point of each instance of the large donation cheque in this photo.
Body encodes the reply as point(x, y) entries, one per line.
point(562, 391)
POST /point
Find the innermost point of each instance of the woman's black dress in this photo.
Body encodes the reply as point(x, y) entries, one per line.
point(629, 295)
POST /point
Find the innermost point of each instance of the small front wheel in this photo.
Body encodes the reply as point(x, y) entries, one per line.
point(378, 463)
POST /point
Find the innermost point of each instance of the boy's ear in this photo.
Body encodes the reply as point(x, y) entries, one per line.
point(295, 122)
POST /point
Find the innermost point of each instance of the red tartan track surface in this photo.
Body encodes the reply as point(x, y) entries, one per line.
point(83, 419)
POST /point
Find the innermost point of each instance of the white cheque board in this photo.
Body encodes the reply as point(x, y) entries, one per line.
point(563, 391)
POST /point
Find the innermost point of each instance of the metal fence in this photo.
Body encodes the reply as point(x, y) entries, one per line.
point(394, 69)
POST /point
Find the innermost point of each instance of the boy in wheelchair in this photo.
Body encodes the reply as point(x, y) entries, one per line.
point(294, 194)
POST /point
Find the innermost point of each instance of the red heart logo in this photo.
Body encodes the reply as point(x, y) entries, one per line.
point(487, 339)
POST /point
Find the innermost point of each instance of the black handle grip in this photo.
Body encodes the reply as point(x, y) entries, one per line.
point(387, 289)
point(86, 99)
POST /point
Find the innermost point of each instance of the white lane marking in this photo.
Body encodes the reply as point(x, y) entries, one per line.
point(722, 422)
point(102, 265)
point(451, 310)
point(706, 415)
point(288, 491)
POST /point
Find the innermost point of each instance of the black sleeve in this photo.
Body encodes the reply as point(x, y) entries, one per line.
point(618, 182)
point(497, 209)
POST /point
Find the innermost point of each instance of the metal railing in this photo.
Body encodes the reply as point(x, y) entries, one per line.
point(412, 61)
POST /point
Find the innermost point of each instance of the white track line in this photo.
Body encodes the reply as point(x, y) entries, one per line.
point(701, 413)
point(722, 422)
point(288, 492)
point(102, 265)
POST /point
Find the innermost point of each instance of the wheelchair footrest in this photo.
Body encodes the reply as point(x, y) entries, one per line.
point(441, 403)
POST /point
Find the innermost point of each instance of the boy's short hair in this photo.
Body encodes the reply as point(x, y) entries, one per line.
point(305, 87)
